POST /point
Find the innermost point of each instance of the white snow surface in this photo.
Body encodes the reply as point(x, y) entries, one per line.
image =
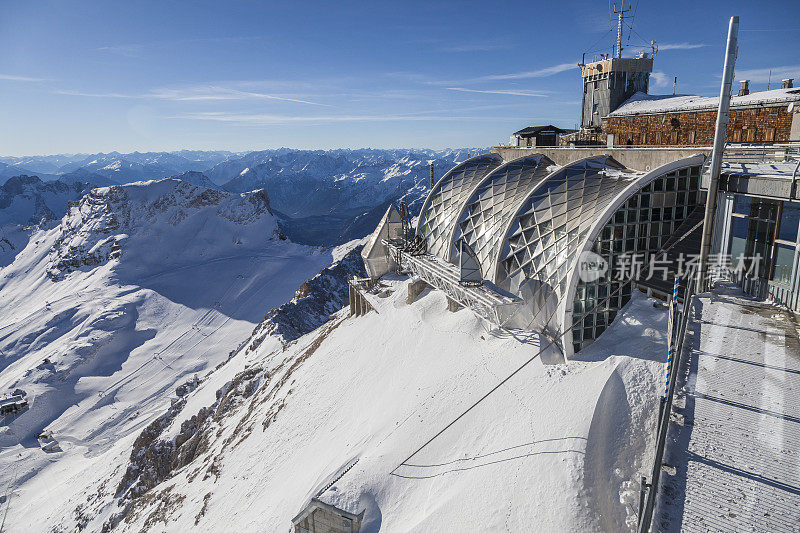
point(641, 103)
point(139, 289)
point(736, 457)
point(558, 448)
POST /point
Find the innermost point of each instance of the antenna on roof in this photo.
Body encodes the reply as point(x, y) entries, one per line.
point(620, 18)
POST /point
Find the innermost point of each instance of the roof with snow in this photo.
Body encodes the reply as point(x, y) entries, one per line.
point(648, 104)
point(533, 130)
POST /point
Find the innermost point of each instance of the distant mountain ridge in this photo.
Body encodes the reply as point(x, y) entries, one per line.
point(321, 197)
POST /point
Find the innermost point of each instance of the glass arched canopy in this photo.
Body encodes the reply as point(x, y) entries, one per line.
point(444, 203)
point(485, 214)
point(528, 228)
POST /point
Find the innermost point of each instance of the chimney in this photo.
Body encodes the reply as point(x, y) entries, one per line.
point(745, 88)
point(788, 83)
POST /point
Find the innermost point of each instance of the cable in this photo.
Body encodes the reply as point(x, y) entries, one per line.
point(515, 372)
point(591, 47)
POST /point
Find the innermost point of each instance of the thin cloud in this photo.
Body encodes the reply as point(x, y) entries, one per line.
point(660, 79)
point(215, 93)
point(680, 46)
point(540, 73)
point(125, 50)
point(476, 47)
point(275, 120)
point(763, 75)
point(512, 92)
point(198, 93)
point(68, 92)
point(12, 77)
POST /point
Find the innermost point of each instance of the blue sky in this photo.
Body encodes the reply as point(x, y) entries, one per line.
point(88, 76)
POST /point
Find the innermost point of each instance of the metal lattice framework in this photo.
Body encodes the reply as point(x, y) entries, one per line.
point(485, 302)
point(545, 234)
point(445, 201)
point(486, 214)
point(529, 228)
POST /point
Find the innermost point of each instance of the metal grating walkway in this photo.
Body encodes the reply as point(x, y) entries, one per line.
point(737, 456)
point(484, 300)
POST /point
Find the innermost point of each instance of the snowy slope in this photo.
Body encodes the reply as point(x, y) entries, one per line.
point(333, 413)
point(26, 201)
point(196, 178)
point(102, 317)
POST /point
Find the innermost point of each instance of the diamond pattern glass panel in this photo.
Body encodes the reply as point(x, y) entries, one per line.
point(592, 315)
point(446, 200)
point(539, 255)
point(493, 203)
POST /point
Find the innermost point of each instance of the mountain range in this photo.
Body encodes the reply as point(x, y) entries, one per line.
point(320, 197)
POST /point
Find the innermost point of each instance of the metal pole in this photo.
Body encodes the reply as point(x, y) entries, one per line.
point(719, 145)
point(432, 183)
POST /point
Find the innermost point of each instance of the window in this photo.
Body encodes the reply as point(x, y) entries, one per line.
point(769, 134)
point(784, 259)
point(691, 137)
point(789, 222)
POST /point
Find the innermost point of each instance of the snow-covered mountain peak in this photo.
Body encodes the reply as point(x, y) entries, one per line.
point(186, 221)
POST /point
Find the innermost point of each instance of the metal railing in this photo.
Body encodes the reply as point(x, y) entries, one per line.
point(649, 491)
point(483, 300)
point(759, 152)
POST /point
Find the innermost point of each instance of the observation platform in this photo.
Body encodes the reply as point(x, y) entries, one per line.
point(486, 300)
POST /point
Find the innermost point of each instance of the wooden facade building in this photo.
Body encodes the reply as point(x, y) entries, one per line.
point(646, 120)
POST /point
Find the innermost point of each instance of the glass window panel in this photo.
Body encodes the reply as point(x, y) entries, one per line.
point(784, 259)
point(789, 222)
point(741, 204)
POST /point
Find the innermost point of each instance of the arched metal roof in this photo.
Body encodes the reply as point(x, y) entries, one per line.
point(443, 205)
point(602, 219)
point(486, 214)
point(552, 223)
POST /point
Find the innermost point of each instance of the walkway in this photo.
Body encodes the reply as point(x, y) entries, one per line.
point(738, 454)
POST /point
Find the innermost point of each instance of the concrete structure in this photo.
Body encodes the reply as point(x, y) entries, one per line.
point(642, 159)
point(415, 288)
point(320, 517)
point(531, 227)
point(359, 304)
point(376, 259)
point(610, 82)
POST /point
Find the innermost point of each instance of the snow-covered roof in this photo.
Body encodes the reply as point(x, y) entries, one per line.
point(645, 104)
point(779, 169)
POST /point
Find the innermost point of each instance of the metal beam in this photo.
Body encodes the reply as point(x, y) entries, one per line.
point(719, 147)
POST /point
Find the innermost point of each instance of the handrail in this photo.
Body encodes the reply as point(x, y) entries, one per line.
point(665, 411)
